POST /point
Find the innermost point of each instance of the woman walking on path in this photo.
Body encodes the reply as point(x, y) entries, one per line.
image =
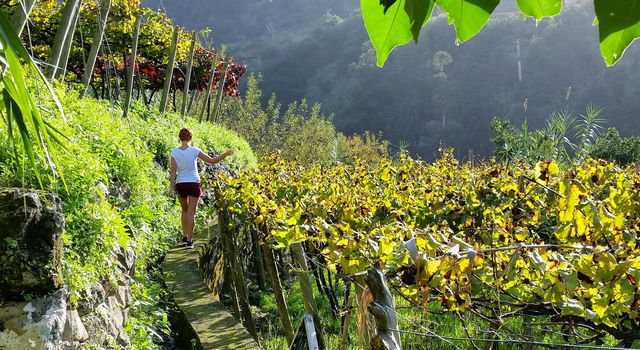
point(187, 183)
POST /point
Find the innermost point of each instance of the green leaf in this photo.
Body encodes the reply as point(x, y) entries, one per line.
point(387, 4)
point(619, 25)
point(468, 16)
point(540, 8)
point(395, 26)
point(419, 12)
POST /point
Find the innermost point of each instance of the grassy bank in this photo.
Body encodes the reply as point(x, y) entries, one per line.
point(117, 178)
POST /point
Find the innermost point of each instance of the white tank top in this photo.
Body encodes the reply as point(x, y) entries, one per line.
point(186, 164)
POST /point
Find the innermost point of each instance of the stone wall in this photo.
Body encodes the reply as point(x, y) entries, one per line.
point(34, 308)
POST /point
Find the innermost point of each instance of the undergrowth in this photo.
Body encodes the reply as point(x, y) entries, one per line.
point(116, 174)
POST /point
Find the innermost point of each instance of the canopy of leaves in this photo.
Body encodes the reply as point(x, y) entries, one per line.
point(393, 23)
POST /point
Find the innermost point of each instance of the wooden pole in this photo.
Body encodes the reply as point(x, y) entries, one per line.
point(63, 31)
point(259, 265)
point(272, 269)
point(19, 18)
point(132, 66)
point(383, 310)
point(169, 72)
point(187, 77)
point(220, 95)
point(227, 246)
point(66, 48)
point(192, 98)
point(243, 298)
point(107, 76)
point(527, 332)
point(206, 98)
point(105, 6)
point(302, 273)
point(346, 320)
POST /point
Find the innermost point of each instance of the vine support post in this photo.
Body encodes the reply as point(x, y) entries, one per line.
point(187, 76)
point(66, 48)
point(220, 94)
point(19, 18)
point(241, 289)
point(383, 310)
point(105, 6)
point(68, 19)
point(132, 66)
point(208, 93)
point(227, 247)
point(168, 75)
point(492, 344)
point(259, 263)
point(107, 77)
point(527, 332)
point(302, 273)
point(346, 320)
point(276, 285)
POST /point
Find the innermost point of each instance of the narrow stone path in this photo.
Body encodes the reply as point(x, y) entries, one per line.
point(215, 327)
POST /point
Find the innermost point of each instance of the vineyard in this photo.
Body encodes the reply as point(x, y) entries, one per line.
point(516, 255)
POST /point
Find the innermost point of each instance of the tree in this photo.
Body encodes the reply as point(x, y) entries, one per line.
point(391, 23)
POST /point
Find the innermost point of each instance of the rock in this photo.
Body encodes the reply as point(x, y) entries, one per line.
point(74, 328)
point(89, 301)
point(41, 323)
point(31, 225)
point(107, 322)
point(123, 295)
point(127, 260)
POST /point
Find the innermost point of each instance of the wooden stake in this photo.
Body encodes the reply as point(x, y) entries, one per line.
point(259, 265)
point(206, 98)
point(66, 48)
point(220, 94)
point(61, 35)
point(272, 269)
point(169, 72)
point(105, 6)
point(132, 66)
point(243, 298)
point(19, 18)
point(344, 338)
point(187, 77)
point(302, 273)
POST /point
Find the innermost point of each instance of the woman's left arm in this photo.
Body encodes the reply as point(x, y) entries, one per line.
point(172, 177)
point(214, 160)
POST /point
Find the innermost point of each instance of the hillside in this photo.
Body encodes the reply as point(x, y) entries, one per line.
point(323, 54)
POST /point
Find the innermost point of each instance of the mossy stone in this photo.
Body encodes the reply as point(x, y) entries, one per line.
point(31, 226)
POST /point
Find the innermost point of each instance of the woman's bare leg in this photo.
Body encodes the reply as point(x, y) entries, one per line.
point(184, 219)
point(192, 204)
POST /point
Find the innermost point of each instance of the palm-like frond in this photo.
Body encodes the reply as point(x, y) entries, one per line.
point(19, 107)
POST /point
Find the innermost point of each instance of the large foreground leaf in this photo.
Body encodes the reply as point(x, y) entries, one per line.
point(619, 25)
point(20, 108)
point(419, 12)
point(396, 26)
point(540, 8)
point(468, 16)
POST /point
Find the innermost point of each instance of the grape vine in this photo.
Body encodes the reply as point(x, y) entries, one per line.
point(493, 240)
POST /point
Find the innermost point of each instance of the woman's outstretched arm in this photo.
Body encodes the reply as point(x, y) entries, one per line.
point(205, 158)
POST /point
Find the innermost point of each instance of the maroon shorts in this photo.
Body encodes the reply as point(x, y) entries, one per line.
point(188, 189)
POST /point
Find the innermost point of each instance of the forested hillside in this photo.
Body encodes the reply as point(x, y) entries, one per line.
point(427, 94)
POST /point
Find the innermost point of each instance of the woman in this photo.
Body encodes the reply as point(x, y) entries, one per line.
point(187, 184)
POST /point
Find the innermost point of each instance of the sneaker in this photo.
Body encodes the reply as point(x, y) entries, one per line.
point(191, 244)
point(185, 241)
